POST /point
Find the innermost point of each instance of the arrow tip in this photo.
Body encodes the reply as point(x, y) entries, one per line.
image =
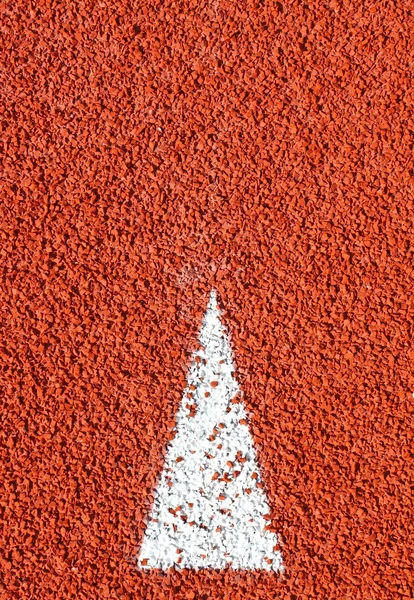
point(212, 303)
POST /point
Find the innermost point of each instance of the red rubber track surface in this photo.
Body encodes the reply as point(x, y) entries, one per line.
point(152, 151)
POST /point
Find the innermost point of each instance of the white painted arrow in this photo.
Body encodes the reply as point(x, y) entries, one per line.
point(210, 508)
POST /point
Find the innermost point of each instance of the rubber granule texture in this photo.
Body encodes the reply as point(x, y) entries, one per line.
point(152, 151)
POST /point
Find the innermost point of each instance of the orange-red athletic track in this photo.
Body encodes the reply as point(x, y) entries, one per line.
point(150, 152)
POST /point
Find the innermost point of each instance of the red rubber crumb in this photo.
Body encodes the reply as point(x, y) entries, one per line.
point(152, 151)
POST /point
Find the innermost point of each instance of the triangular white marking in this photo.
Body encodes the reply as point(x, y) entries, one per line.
point(210, 508)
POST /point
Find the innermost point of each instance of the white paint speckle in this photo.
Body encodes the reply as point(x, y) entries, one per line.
point(210, 510)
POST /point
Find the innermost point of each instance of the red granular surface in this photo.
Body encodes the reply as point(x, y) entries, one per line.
point(152, 151)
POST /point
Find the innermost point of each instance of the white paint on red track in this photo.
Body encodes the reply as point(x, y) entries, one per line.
point(210, 507)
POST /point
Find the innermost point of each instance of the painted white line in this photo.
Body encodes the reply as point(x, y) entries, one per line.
point(210, 510)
